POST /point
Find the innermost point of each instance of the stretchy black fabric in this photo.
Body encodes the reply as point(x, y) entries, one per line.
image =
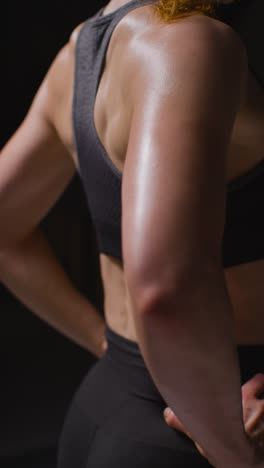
point(116, 421)
point(244, 227)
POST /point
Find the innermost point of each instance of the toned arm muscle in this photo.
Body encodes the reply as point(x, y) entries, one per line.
point(175, 173)
point(35, 168)
point(173, 197)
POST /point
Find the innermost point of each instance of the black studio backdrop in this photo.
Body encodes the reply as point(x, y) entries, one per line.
point(40, 369)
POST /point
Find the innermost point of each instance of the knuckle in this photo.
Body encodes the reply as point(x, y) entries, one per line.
point(259, 377)
point(246, 391)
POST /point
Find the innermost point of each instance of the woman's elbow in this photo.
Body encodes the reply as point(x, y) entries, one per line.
point(151, 289)
point(155, 289)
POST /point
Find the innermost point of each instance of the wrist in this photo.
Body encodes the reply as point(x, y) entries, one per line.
point(248, 459)
point(98, 341)
point(101, 348)
point(257, 453)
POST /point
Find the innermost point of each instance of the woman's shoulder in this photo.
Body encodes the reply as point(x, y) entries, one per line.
point(199, 31)
point(65, 56)
point(74, 36)
point(58, 82)
point(165, 51)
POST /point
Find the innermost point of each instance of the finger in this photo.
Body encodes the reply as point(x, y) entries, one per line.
point(172, 421)
point(105, 345)
point(255, 420)
point(202, 452)
point(257, 435)
point(254, 387)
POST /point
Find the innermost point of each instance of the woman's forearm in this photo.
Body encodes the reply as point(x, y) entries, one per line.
point(32, 273)
point(189, 347)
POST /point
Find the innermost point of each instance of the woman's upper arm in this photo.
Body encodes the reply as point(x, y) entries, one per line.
point(174, 181)
point(35, 166)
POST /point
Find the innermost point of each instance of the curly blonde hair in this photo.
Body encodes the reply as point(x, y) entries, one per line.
point(171, 10)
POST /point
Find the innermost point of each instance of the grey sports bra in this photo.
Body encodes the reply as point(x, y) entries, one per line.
point(243, 239)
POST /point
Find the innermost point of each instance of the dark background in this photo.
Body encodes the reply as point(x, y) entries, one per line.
point(40, 369)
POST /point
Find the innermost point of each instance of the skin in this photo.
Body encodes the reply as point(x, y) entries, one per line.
point(52, 109)
point(243, 282)
point(253, 411)
point(45, 139)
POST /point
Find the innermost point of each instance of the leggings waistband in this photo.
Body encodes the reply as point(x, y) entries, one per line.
point(126, 354)
point(125, 357)
point(124, 349)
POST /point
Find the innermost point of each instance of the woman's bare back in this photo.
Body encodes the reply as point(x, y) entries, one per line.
point(112, 115)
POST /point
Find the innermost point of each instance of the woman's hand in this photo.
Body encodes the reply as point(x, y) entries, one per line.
point(253, 413)
point(102, 349)
point(98, 342)
point(253, 410)
point(104, 346)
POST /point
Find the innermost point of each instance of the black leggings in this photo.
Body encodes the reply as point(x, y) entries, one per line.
point(116, 417)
